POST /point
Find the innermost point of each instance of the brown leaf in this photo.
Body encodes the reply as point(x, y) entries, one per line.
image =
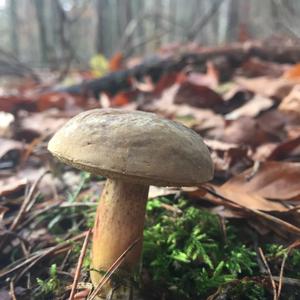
point(252, 108)
point(116, 62)
point(255, 67)
point(248, 199)
point(293, 72)
point(273, 180)
point(11, 185)
point(286, 149)
point(42, 124)
point(228, 158)
point(276, 88)
point(198, 96)
point(246, 130)
point(291, 103)
point(15, 103)
point(123, 98)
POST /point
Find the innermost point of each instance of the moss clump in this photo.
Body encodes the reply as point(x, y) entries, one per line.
point(187, 257)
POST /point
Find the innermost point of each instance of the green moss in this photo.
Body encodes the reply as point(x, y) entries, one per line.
point(186, 254)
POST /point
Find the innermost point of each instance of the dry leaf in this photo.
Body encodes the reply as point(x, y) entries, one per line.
point(246, 130)
point(198, 96)
point(276, 88)
point(291, 103)
point(248, 199)
point(252, 108)
point(293, 72)
point(272, 180)
point(6, 124)
point(286, 150)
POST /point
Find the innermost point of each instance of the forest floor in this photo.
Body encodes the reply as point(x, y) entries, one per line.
point(236, 237)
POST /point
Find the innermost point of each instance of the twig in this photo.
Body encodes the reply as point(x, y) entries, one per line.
point(269, 272)
point(112, 269)
point(36, 256)
point(292, 246)
point(12, 290)
point(26, 202)
point(281, 274)
point(80, 261)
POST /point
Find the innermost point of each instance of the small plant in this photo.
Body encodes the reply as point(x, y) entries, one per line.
point(50, 285)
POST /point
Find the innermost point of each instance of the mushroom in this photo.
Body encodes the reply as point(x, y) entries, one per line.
point(133, 149)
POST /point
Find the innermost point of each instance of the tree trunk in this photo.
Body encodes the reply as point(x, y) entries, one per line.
point(14, 25)
point(100, 11)
point(40, 14)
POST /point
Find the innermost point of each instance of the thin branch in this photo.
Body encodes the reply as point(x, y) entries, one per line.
point(80, 261)
point(269, 272)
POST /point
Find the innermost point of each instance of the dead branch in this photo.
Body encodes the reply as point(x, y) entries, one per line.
point(155, 68)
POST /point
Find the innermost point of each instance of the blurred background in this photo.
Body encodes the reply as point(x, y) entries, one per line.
point(47, 33)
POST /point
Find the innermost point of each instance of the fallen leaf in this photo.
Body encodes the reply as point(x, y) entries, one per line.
point(246, 130)
point(164, 82)
point(6, 123)
point(199, 96)
point(287, 149)
point(123, 98)
point(43, 123)
point(145, 86)
point(165, 106)
point(228, 159)
point(276, 88)
point(273, 180)
point(255, 67)
point(291, 103)
point(116, 62)
point(248, 199)
point(293, 72)
point(12, 185)
point(262, 152)
point(14, 103)
point(252, 108)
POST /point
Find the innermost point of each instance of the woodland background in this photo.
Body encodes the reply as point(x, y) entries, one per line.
point(47, 33)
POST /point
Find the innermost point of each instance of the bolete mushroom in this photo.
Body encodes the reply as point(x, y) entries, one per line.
point(133, 149)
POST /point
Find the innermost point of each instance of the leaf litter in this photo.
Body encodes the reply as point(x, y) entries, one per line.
point(249, 121)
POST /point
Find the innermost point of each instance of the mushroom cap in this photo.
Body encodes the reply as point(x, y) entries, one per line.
point(135, 146)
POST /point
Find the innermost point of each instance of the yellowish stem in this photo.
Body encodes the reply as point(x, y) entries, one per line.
point(119, 221)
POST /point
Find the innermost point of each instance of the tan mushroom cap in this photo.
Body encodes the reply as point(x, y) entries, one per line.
point(135, 146)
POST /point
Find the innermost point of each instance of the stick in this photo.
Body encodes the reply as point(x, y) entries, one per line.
point(79, 264)
point(269, 272)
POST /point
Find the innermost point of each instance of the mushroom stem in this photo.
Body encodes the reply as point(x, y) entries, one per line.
point(119, 221)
